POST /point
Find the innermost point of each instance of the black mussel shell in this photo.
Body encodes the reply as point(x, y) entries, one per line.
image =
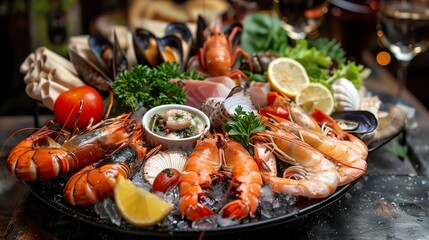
point(182, 31)
point(120, 63)
point(102, 49)
point(357, 122)
point(200, 35)
point(90, 73)
point(229, 29)
point(260, 62)
point(175, 44)
point(146, 48)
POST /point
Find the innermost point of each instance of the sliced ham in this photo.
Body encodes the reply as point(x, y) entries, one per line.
point(228, 82)
point(198, 90)
point(258, 93)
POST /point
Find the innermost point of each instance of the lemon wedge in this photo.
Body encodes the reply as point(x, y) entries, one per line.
point(287, 76)
point(315, 95)
point(139, 206)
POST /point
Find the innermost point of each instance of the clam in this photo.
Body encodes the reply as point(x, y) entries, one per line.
point(166, 159)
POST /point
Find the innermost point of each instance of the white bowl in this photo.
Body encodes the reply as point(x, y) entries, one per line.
point(173, 143)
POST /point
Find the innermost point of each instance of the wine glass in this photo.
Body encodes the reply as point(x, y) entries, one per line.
point(403, 28)
point(299, 17)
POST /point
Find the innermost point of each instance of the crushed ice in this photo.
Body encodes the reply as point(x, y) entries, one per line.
point(271, 205)
point(107, 210)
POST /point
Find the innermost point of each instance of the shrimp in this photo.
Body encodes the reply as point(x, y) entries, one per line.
point(349, 150)
point(265, 158)
point(95, 182)
point(245, 176)
point(39, 157)
point(202, 165)
point(296, 113)
point(177, 119)
point(311, 174)
point(345, 149)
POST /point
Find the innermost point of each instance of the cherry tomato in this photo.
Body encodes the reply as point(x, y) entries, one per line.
point(66, 107)
point(166, 179)
point(275, 110)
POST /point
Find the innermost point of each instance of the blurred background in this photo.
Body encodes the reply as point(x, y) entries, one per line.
point(28, 24)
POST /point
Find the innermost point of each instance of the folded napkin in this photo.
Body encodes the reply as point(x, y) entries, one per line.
point(48, 74)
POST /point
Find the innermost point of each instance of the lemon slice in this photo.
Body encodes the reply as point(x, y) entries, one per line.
point(287, 76)
point(139, 206)
point(315, 95)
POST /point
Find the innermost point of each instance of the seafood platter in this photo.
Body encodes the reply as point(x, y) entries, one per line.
point(212, 130)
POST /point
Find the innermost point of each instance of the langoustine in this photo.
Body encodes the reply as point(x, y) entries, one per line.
point(96, 182)
point(202, 165)
point(39, 157)
point(245, 176)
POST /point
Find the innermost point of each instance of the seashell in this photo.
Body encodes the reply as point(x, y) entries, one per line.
point(185, 34)
point(391, 123)
point(371, 104)
point(167, 159)
point(346, 95)
point(357, 122)
point(210, 104)
point(237, 97)
point(260, 62)
point(110, 57)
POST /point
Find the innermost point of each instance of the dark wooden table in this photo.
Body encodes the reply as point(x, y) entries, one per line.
point(390, 202)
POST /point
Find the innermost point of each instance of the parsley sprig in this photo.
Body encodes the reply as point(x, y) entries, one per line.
point(241, 125)
point(143, 86)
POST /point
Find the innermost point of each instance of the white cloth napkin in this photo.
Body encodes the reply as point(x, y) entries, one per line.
point(47, 75)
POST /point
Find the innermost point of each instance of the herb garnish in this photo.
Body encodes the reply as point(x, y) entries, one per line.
point(241, 125)
point(147, 87)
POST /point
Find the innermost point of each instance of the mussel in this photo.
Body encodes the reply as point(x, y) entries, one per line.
point(109, 55)
point(260, 62)
point(99, 62)
point(357, 122)
point(184, 33)
point(90, 72)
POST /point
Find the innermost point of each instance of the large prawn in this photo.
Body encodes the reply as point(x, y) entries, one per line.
point(311, 174)
point(345, 149)
point(200, 169)
point(96, 182)
point(245, 176)
point(39, 157)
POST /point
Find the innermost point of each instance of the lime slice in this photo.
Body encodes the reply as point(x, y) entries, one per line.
point(315, 95)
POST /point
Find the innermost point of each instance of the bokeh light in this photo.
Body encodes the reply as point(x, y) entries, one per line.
point(383, 58)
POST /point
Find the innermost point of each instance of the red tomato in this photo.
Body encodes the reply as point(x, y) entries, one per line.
point(66, 107)
point(166, 179)
point(275, 110)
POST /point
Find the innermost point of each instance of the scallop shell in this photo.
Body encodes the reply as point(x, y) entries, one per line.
point(346, 95)
point(167, 159)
